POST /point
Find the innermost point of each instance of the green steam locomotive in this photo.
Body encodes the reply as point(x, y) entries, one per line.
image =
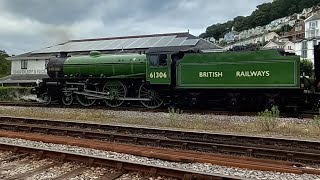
point(181, 77)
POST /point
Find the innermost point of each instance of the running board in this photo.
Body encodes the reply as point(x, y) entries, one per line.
point(96, 96)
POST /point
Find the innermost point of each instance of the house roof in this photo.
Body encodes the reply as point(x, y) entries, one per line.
point(277, 43)
point(123, 43)
point(280, 43)
point(313, 17)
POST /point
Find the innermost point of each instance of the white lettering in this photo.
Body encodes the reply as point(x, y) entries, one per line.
point(252, 73)
point(210, 74)
point(267, 73)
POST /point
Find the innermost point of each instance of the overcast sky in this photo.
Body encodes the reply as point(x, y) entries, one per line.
point(27, 25)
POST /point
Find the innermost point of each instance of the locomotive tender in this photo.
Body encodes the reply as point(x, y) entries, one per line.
point(182, 77)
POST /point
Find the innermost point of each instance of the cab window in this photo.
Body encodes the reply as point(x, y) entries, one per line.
point(163, 60)
point(158, 60)
point(154, 60)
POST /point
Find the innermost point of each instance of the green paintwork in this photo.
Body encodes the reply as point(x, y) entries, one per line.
point(97, 65)
point(158, 74)
point(283, 71)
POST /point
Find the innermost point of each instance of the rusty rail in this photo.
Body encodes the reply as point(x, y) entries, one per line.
point(255, 146)
point(121, 165)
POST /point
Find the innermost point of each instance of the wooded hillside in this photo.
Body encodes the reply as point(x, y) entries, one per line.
point(263, 15)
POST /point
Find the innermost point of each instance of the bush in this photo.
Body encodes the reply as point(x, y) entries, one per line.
point(316, 121)
point(268, 119)
point(13, 93)
point(174, 115)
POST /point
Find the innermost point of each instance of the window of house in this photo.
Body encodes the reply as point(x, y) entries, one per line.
point(312, 33)
point(314, 42)
point(313, 25)
point(304, 45)
point(24, 64)
point(46, 64)
point(304, 54)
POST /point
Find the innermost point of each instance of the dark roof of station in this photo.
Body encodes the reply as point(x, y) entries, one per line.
point(123, 43)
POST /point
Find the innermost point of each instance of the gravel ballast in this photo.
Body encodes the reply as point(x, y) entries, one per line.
point(208, 168)
point(247, 125)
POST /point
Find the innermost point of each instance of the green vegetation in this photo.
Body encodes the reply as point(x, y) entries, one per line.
point(284, 29)
point(269, 119)
point(306, 67)
point(316, 121)
point(13, 93)
point(263, 15)
point(174, 116)
point(5, 65)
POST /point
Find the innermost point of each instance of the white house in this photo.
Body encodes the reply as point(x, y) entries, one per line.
point(231, 36)
point(312, 26)
point(305, 48)
point(30, 66)
point(288, 46)
point(254, 40)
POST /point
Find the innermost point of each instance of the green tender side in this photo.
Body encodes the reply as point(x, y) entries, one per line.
point(253, 69)
point(97, 65)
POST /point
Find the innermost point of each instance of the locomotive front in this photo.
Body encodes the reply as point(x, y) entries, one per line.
point(88, 78)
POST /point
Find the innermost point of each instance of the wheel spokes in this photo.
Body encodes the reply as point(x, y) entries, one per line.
point(116, 90)
point(145, 92)
point(82, 99)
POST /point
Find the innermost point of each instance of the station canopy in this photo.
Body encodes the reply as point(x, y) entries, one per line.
point(123, 43)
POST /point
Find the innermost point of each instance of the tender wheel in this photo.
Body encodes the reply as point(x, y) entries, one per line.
point(146, 92)
point(46, 98)
point(115, 90)
point(83, 99)
point(67, 99)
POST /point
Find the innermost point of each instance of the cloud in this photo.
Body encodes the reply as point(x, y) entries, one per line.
point(34, 24)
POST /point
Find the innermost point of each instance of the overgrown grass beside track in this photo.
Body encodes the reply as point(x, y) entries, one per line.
point(13, 93)
point(298, 128)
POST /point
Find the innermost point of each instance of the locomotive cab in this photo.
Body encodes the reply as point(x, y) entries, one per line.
point(159, 68)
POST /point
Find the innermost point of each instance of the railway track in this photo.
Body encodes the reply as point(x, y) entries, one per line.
point(309, 114)
point(48, 159)
point(169, 154)
point(251, 146)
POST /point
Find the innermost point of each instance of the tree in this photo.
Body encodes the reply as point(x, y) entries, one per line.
point(263, 15)
point(5, 65)
point(306, 67)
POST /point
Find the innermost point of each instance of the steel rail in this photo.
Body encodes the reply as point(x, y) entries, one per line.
point(254, 146)
point(121, 165)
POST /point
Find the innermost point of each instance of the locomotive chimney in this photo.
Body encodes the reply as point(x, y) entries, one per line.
point(63, 54)
point(317, 65)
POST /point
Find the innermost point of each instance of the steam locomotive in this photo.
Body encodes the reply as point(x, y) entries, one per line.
point(182, 77)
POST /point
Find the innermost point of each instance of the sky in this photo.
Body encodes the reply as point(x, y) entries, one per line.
point(27, 25)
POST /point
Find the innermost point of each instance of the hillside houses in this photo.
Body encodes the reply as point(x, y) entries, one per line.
point(260, 39)
point(257, 34)
point(301, 38)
